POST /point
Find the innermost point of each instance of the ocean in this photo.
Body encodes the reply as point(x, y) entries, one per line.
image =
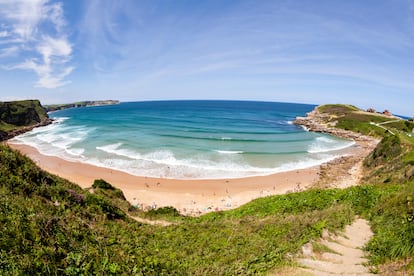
point(187, 139)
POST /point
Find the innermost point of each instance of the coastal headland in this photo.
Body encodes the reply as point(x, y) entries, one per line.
point(18, 117)
point(55, 107)
point(196, 197)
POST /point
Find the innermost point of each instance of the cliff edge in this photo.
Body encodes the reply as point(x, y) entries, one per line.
point(17, 117)
point(391, 139)
point(325, 119)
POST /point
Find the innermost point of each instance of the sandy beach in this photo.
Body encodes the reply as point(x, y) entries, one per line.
point(195, 197)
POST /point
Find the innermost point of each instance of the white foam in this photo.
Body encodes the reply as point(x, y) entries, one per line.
point(60, 120)
point(326, 144)
point(76, 152)
point(56, 139)
point(305, 163)
point(229, 151)
point(164, 164)
point(63, 141)
point(111, 148)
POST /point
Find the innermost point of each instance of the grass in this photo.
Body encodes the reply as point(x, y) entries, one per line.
point(17, 114)
point(392, 220)
point(337, 109)
point(351, 118)
point(393, 159)
point(6, 127)
point(50, 225)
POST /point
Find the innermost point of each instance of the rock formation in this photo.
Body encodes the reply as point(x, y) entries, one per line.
point(322, 122)
point(19, 117)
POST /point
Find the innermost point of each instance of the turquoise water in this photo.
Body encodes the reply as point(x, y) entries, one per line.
point(187, 139)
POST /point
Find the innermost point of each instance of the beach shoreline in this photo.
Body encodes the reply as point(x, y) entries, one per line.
point(197, 197)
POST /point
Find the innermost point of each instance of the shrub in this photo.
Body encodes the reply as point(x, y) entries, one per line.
point(111, 211)
point(100, 183)
point(164, 211)
point(388, 148)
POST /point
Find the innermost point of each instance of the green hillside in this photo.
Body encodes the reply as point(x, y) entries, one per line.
point(393, 159)
point(52, 226)
point(352, 118)
point(18, 115)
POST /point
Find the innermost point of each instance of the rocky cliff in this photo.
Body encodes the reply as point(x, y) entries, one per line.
point(325, 122)
point(17, 117)
point(55, 107)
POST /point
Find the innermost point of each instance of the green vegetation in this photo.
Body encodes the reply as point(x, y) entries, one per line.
point(393, 159)
point(17, 115)
point(21, 113)
point(54, 107)
point(388, 149)
point(337, 109)
point(52, 226)
point(351, 118)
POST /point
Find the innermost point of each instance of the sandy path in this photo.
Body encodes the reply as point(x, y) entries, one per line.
point(348, 258)
point(158, 222)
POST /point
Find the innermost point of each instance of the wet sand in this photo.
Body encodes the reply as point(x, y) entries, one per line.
point(191, 197)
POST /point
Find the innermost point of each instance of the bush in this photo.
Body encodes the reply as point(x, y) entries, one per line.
point(164, 211)
point(100, 183)
point(387, 149)
point(106, 189)
point(111, 211)
point(393, 225)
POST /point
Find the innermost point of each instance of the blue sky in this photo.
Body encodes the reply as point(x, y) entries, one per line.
point(324, 51)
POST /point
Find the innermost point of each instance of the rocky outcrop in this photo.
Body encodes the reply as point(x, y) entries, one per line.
point(323, 122)
point(22, 113)
point(347, 170)
point(10, 134)
point(19, 117)
point(3, 135)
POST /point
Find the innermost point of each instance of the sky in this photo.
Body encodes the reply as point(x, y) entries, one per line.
point(305, 51)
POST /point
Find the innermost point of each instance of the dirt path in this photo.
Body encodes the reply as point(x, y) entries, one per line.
point(152, 222)
point(348, 258)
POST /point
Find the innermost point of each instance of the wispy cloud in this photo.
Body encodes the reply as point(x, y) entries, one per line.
point(8, 52)
point(4, 34)
point(32, 33)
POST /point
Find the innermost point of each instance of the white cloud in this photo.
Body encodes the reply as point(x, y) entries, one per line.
point(22, 15)
point(55, 14)
point(24, 24)
point(8, 52)
point(54, 52)
point(4, 34)
point(55, 47)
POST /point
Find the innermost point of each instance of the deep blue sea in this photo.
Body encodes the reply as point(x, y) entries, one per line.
point(187, 139)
